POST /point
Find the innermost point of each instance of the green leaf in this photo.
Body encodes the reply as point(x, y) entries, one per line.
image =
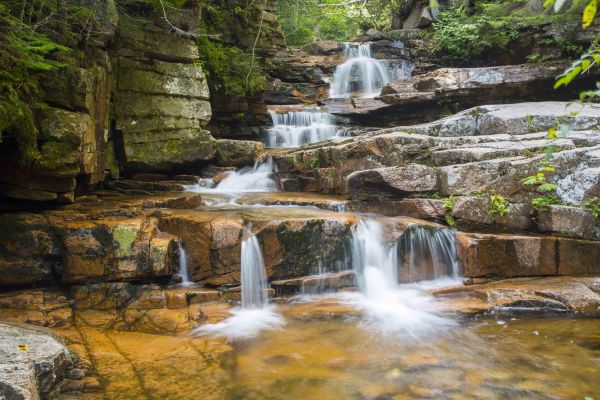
point(552, 133)
point(589, 13)
point(547, 187)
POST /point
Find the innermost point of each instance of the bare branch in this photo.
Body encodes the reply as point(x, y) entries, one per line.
point(344, 4)
point(262, 17)
point(178, 31)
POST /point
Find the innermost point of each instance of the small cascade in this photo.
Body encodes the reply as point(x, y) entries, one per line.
point(253, 275)
point(361, 75)
point(258, 178)
point(427, 254)
point(255, 314)
point(297, 128)
point(389, 307)
point(183, 267)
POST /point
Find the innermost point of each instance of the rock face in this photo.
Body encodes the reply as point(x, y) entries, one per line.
point(161, 99)
point(419, 97)
point(32, 362)
point(514, 255)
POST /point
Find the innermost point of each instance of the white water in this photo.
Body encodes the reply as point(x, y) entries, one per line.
point(258, 178)
point(183, 267)
point(361, 75)
point(255, 314)
point(297, 128)
point(387, 306)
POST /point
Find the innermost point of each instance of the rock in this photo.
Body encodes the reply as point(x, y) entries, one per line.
point(568, 220)
point(42, 307)
point(323, 47)
point(472, 213)
point(391, 182)
point(314, 283)
point(420, 17)
point(161, 100)
point(513, 255)
point(536, 294)
point(32, 362)
point(238, 153)
point(506, 255)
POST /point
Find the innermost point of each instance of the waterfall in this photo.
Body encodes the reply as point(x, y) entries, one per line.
point(361, 75)
point(297, 128)
point(373, 260)
point(389, 307)
point(427, 253)
point(258, 178)
point(253, 275)
point(255, 314)
point(183, 267)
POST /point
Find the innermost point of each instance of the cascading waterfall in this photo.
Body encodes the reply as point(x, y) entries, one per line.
point(428, 254)
point(361, 75)
point(183, 267)
point(258, 178)
point(389, 307)
point(255, 314)
point(253, 275)
point(297, 128)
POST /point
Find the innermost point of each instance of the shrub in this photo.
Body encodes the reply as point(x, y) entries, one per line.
point(498, 205)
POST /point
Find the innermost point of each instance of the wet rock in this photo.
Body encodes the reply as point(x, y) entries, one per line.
point(32, 362)
point(506, 255)
point(48, 307)
point(391, 182)
point(315, 283)
point(238, 153)
point(515, 255)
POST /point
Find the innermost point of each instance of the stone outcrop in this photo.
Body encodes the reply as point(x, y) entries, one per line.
point(518, 255)
point(551, 294)
point(420, 97)
point(32, 362)
point(161, 99)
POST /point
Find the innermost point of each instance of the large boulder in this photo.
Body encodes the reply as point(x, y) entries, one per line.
point(238, 153)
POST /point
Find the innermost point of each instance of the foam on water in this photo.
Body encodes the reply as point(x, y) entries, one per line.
point(388, 307)
point(361, 75)
point(297, 128)
point(255, 314)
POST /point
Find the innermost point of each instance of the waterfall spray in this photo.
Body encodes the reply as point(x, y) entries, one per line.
point(297, 128)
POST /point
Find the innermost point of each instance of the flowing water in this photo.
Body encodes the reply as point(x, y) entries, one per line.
point(361, 75)
point(332, 358)
point(255, 314)
point(183, 267)
point(296, 128)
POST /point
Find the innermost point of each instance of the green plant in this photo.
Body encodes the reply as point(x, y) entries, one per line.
point(544, 202)
point(449, 203)
point(498, 205)
point(594, 206)
point(539, 179)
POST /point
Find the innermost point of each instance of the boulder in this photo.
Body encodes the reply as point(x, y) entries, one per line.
point(32, 362)
point(391, 182)
point(473, 213)
point(238, 153)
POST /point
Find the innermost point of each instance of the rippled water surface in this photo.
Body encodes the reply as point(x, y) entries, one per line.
point(328, 353)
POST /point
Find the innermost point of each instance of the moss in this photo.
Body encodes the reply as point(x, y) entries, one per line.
point(54, 155)
point(124, 236)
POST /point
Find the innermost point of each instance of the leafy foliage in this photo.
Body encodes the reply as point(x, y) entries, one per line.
point(456, 37)
point(448, 207)
point(594, 206)
point(498, 205)
point(24, 53)
point(544, 202)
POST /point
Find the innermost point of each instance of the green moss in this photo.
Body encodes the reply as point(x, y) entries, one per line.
point(54, 155)
point(124, 236)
